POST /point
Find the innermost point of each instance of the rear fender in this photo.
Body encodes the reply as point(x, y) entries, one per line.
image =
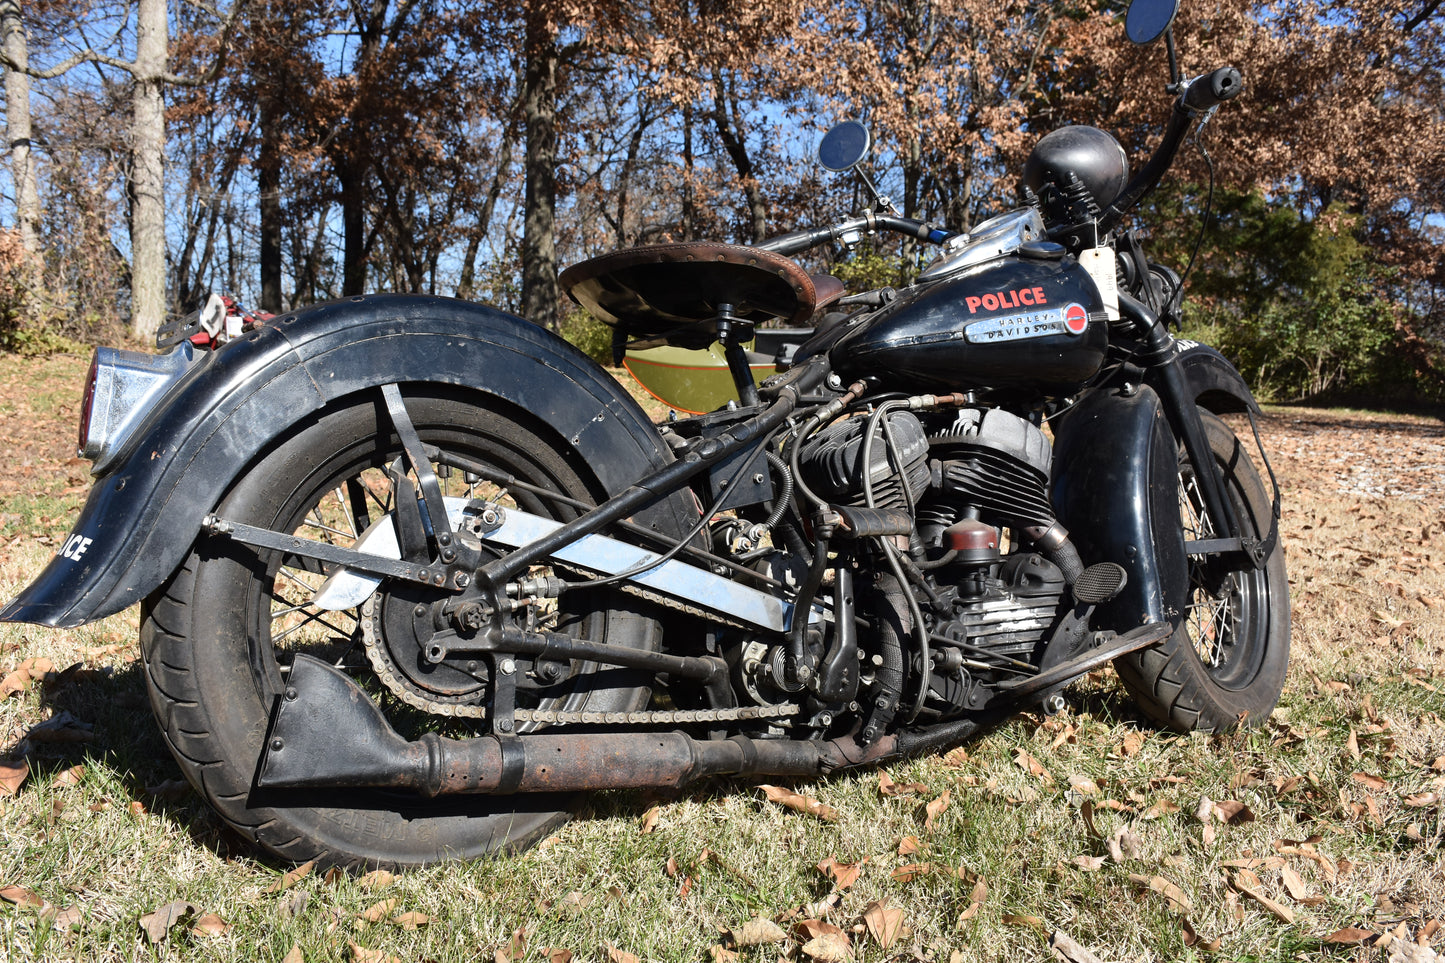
point(142, 517)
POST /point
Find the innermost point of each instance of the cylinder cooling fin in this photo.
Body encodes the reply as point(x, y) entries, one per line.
point(997, 462)
point(833, 460)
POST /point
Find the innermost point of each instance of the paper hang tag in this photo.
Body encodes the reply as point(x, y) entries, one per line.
point(1100, 263)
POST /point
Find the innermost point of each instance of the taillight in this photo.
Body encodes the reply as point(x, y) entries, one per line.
point(120, 391)
point(86, 401)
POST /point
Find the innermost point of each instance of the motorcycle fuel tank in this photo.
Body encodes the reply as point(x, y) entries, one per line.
point(1014, 322)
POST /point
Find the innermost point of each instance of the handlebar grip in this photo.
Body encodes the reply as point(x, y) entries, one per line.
point(1211, 90)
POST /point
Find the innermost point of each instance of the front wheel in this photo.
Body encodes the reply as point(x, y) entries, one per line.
point(1225, 664)
point(219, 638)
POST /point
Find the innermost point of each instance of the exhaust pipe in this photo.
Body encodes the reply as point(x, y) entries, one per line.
point(328, 733)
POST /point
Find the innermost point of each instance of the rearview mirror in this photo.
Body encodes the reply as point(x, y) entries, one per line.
point(845, 146)
point(1148, 20)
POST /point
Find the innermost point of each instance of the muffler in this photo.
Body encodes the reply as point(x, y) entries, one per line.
point(327, 733)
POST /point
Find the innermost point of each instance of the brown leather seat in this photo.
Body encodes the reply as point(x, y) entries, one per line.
point(671, 293)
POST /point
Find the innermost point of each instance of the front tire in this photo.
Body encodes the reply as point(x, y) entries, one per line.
point(1225, 664)
point(218, 637)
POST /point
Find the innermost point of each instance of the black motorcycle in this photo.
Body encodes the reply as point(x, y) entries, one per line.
point(412, 571)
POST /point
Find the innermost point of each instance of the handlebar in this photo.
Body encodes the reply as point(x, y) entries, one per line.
point(797, 241)
point(1211, 90)
point(1198, 95)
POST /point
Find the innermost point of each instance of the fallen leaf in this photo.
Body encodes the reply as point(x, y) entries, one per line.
point(17, 681)
point(1233, 813)
point(758, 931)
point(557, 955)
point(844, 874)
point(935, 808)
point(410, 920)
point(884, 923)
point(376, 879)
point(361, 954)
point(1352, 744)
point(1161, 807)
point(294, 905)
point(66, 918)
point(958, 758)
point(1133, 742)
point(907, 874)
point(909, 845)
point(70, 777)
point(1124, 844)
point(803, 804)
point(294, 955)
point(210, 925)
point(292, 878)
point(1083, 785)
point(1192, 937)
point(1421, 800)
point(721, 954)
point(1350, 934)
point(1088, 863)
point(1369, 780)
point(160, 922)
point(377, 912)
point(12, 774)
point(1284, 913)
point(649, 820)
point(1071, 952)
point(1294, 884)
point(814, 928)
point(1032, 766)
point(21, 897)
point(1031, 922)
point(976, 898)
point(1171, 893)
point(829, 948)
point(620, 956)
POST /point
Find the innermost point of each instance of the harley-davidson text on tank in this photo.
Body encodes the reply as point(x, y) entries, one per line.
point(1070, 319)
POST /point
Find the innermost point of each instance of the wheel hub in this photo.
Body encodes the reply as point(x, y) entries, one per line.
point(397, 627)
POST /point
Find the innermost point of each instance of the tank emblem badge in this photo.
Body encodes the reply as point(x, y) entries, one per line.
point(1071, 319)
point(1076, 319)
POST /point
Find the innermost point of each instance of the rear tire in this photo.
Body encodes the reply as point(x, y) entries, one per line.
point(218, 637)
point(1225, 664)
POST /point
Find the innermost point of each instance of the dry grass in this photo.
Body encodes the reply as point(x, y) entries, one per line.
point(1050, 824)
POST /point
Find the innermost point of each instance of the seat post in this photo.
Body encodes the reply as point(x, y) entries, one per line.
point(732, 332)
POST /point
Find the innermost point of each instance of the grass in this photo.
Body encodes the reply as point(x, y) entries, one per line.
point(1337, 788)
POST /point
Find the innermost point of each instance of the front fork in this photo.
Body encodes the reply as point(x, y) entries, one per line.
point(1161, 360)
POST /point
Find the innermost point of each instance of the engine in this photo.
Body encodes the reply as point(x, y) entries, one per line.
point(977, 486)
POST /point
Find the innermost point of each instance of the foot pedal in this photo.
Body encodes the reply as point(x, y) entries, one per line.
point(1099, 583)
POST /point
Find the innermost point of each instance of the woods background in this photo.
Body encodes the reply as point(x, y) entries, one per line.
point(289, 151)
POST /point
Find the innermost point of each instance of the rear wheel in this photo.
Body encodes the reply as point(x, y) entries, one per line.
point(1225, 664)
point(218, 639)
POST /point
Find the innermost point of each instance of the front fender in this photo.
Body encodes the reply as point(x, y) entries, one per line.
point(142, 517)
point(1116, 469)
point(1215, 383)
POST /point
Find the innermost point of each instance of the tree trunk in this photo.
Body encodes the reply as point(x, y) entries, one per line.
point(148, 147)
point(727, 118)
point(353, 229)
point(539, 112)
point(17, 121)
point(268, 186)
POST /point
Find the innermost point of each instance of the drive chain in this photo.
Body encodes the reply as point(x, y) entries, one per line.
point(404, 691)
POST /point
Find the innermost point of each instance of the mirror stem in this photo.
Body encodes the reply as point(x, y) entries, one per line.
point(1174, 75)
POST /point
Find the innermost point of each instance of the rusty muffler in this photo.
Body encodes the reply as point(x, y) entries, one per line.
point(328, 733)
